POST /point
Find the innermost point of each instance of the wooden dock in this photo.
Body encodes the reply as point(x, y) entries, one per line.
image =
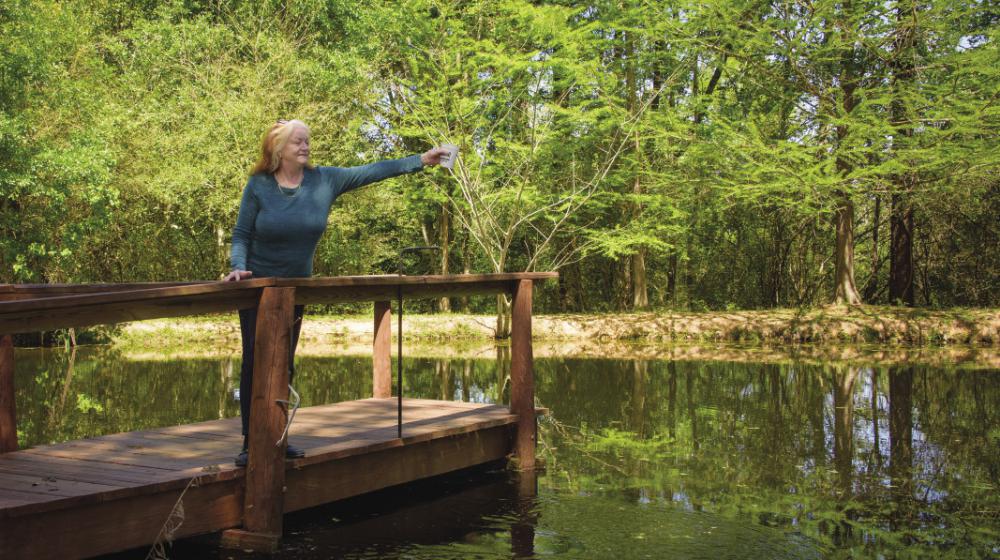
point(87, 497)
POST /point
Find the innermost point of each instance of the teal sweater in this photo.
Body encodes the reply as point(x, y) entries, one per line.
point(277, 232)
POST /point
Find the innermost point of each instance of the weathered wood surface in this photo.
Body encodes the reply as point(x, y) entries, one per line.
point(99, 495)
point(8, 410)
point(522, 376)
point(265, 477)
point(341, 289)
point(381, 352)
point(10, 292)
point(52, 308)
point(45, 313)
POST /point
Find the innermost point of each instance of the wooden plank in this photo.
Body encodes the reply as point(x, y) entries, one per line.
point(50, 485)
point(376, 288)
point(8, 411)
point(134, 451)
point(370, 441)
point(105, 527)
point(265, 475)
point(210, 474)
point(248, 541)
point(60, 303)
point(12, 499)
point(522, 377)
point(393, 280)
point(9, 292)
point(427, 429)
point(376, 292)
point(153, 444)
point(381, 351)
point(87, 310)
point(83, 471)
point(334, 480)
point(162, 462)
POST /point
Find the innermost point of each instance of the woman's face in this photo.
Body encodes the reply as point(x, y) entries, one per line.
point(296, 150)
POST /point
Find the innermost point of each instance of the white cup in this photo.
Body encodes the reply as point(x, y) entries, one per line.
point(448, 161)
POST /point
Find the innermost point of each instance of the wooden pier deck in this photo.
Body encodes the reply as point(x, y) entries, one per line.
point(87, 497)
point(93, 496)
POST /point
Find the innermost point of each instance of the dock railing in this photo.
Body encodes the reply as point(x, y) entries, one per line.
point(37, 307)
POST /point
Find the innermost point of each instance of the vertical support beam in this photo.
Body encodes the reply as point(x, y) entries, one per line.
point(381, 350)
point(265, 477)
point(8, 414)
point(522, 375)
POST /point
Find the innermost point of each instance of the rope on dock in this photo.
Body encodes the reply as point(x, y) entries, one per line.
point(295, 406)
point(173, 522)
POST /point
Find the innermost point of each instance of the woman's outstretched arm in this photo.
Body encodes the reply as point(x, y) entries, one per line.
point(349, 178)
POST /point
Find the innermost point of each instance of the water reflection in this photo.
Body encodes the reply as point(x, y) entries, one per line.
point(643, 456)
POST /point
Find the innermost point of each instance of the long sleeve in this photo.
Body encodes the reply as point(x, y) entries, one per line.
point(346, 179)
point(249, 206)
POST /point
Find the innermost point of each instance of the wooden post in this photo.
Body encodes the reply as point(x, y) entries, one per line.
point(381, 349)
point(522, 376)
point(263, 504)
point(8, 413)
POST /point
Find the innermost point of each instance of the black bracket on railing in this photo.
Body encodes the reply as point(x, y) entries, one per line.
point(399, 348)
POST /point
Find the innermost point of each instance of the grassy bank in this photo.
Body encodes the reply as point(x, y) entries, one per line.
point(857, 325)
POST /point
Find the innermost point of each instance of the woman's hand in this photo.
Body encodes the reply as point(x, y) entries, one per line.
point(237, 275)
point(433, 156)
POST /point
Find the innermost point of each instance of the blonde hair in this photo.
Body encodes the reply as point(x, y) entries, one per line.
point(274, 141)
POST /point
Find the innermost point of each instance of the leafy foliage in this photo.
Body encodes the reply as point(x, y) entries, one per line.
point(672, 154)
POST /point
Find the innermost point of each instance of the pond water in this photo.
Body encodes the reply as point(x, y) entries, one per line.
point(643, 458)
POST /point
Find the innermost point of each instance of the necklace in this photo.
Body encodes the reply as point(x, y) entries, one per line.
point(288, 190)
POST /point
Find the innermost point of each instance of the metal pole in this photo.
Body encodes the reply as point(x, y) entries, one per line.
point(399, 347)
point(399, 362)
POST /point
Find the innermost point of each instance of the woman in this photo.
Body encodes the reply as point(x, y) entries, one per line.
point(282, 216)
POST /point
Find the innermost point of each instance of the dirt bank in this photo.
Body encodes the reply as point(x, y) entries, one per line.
point(858, 325)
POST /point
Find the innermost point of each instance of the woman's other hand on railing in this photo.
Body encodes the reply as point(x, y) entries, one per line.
point(237, 275)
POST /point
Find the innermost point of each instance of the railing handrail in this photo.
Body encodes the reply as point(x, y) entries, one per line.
point(59, 307)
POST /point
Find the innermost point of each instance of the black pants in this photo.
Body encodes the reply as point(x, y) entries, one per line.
point(248, 331)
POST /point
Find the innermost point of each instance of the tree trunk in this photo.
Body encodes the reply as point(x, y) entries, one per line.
point(466, 268)
point(570, 298)
point(640, 292)
point(901, 211)
point(623, 283)
point(871, 287)
point(845, 290)
point(672, 277)
point(444, 241)
point(503, 317)
point(901, 250)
